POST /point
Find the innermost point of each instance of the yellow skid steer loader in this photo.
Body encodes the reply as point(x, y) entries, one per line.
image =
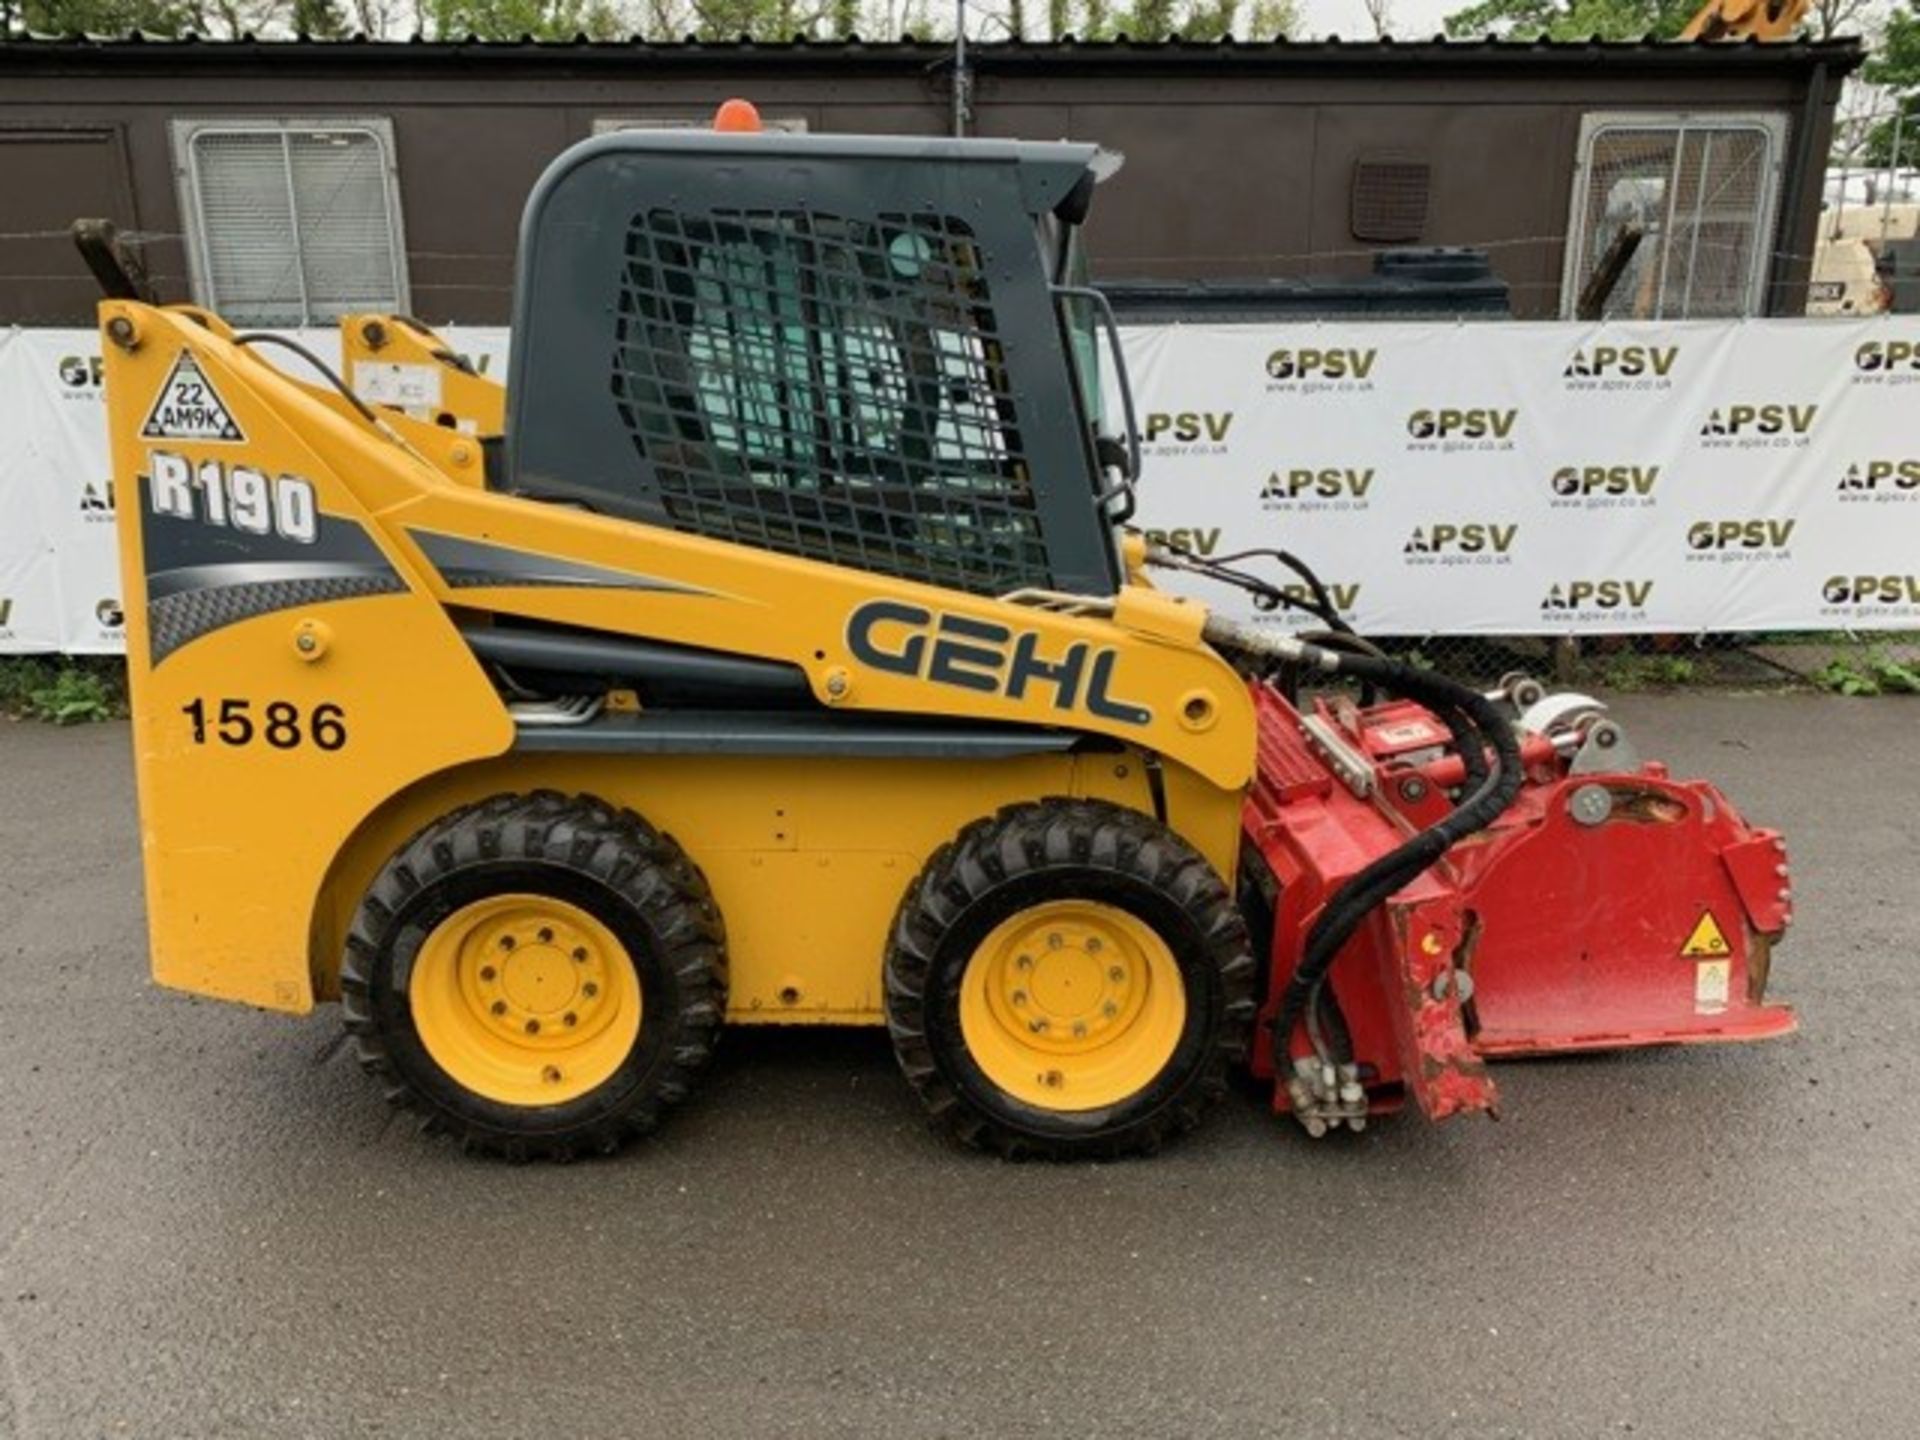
point(768, 652)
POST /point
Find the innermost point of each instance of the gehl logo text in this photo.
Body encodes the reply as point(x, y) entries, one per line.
point(1626, 361)
point(1452, 424)
point(1339, 364)
point(1739, 534)
point(1872, 590)
point(982, 655)
point(1470, 538)
point(1605, 479)
point(1331, 484)
point(1882, 474)
point(1760, 420)
point(1187, 426)
point(1879, 356)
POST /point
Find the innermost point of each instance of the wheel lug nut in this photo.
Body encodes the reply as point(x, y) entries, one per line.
point(1039, 1027)
point(551, 1074)
point(1093, 944)
point(546, 935)
point(499, 1007)
point(1116, 974)
point(580, 953)
point(1110, 1009)
point(1079, 1027)
point(507, 942)
point(590, 989)
point(1054, 1079)
point(1019, 997)
point(487, 972)
point(570, 1019)
point(1025, 962)
point(1054, 941)
point(533, 1027)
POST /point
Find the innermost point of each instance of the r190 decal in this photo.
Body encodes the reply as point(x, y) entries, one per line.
point(278, 724)
point(237, 497)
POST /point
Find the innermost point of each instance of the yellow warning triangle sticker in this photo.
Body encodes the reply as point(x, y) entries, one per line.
point(1707, 938)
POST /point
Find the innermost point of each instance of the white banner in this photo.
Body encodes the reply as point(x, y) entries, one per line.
point(1549, 478)
point(1442, 478)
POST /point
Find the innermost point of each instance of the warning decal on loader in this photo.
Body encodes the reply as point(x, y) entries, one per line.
point(188, 407)
point(1707, 939)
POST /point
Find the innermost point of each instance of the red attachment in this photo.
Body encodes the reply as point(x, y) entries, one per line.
point(1601, 911)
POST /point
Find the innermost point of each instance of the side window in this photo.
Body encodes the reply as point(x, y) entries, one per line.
point(1702, 191)
point(291, 222)
point(828, 387)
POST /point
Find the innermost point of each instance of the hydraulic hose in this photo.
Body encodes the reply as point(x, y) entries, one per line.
point(1465, 711)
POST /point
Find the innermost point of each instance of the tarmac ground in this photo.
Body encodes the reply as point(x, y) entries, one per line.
point(212, 1225)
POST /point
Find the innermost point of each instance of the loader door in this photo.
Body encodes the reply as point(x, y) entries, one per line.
point(843, 350)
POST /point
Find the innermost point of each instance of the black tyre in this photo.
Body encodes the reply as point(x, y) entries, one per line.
point(1068, 979)
point(540, 975)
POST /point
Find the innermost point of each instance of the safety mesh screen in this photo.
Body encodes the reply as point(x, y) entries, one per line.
point(1698, 194)
point(828, 387)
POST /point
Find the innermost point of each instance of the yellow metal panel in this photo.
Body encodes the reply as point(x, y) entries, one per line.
point(257, 853)
point(808, 858)
point(238, 834)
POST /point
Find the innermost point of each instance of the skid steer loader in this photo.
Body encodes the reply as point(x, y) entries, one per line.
point(772, 651)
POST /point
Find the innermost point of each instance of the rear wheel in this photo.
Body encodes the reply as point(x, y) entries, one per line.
point(1069, 978)
point(541, 975)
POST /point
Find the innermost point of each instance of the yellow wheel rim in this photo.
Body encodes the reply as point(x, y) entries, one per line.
point(525, 999)
point(1072, 1005)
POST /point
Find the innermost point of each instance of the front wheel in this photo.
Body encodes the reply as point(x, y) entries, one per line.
point(539, 974)
point(1069, 979)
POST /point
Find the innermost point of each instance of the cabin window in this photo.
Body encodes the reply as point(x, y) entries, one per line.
point(291, 222)
point(1701, 191)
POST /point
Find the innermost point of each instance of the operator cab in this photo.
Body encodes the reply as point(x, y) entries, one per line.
point(877, 352)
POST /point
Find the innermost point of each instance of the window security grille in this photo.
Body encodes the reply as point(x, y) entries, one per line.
point(292, 222)
point(827, 387)
point(1703, 191)
point(1389, 199)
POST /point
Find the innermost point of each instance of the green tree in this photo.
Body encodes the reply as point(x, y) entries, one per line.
point(1572, 19)
point(1154, 20)
point(165, 18)
point(319, 19)
point(1896, 65)
point(511, 19)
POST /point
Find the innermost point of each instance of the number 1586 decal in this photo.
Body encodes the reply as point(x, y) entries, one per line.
point(278, 723)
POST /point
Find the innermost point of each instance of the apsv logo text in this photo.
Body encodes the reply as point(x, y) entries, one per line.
point(1896, 474)
point(1626, 361)
point(1468, 539)
point(1761, 420)
point(1323, 484)
point(1190, 425)
point(1191, 538)
point(1598, 595)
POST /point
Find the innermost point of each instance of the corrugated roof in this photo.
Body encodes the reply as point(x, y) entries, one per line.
point(1066, 54)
